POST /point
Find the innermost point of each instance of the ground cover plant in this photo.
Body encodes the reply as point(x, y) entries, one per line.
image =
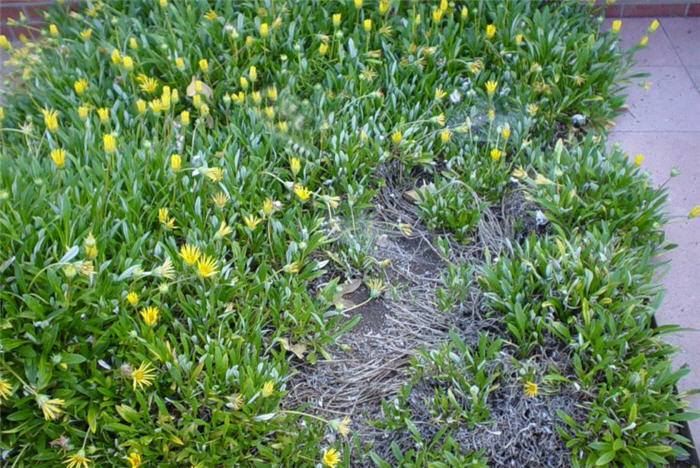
point(327, 233)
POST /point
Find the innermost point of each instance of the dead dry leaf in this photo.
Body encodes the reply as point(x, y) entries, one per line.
point(206, 90)
point(345, 289)
point(298, 349)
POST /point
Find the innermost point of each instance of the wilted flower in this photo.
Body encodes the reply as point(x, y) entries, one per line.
point(51, 407)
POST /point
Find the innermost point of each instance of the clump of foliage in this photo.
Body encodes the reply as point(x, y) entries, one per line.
point(174, 175)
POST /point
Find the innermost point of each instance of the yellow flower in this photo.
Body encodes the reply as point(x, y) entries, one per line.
point(4, 43)
point(530, 389)
point(133, 43)
point(638, 159)
point(80, 85)
point(437, 14)
point(203, 64)
point(694, 212)
point(491, 113)
point(357, 3)
point(53, 30)
point(50, 119)
point(251, 221)
point(189, 253)
point(116, 57)
point(302, 192)
point(163, 214)
point(214, 173)
point(495, 154)
point(185, 117)
point(396, 137)
point(103, 113)
point(86, 33)
point(294, 165)
point(331, 457)
point(146, 83)
point(244, 82)
point(128, 63)
point(491, 86)
point(108, 143)
point(58, 156)
point(505, 131)
point(175, 162)
point(224, 230)
point(141, 106)
point(323, 48)
point(5, 389)
point(143, 376)
point(616, 25)
point(439, 94)
point(253, 73)
point(163, 3)
point(440, 119)
point(519, 173)
point(77, 460)
point(220, 199)
point(367, 25)
point(518, 39)
point(417, 19)
point(268, 388)
point(653, 26)
point(643, 41)
point(149, 315)
point(166, 270)
point(464, 12)
point(445, 135)
point(383, 6)
point(490, 30)
point(210, 15)
point(336, 19)
point(179, 63)
point(293, 267)
point(256, 97)
point(134, 460)
point(344, 427)
point(132, 298)
point(51, 407)
point(206, 266)
point(175, 95)
point(83, 112)
point(264, 29)
point(272, 93)
point(532, 109)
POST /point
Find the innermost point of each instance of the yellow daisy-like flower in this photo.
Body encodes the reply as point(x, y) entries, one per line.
point(445, 135)
point(264, 29)
point(336, 19)
point(77, 460)
point(132, 298)
point(694, 212)
point(141, 106)
point(189, 253)
point(294, 165)
point(80, 85)
point(146, 83)
point(302, 192)
point(653, 26)
point(206, 266)
point(116, 57)
point(490, 30)
point(331, 457)
point(184, 118)
point(134, 460)
point(383, 6)
point(108, 143)
point(53, 30)
point(495, 154)
point(323, 48)
point(643, 41)
point(143, 376)
point(367, 25)
point(175, 162)
point(203, 64)
point(214, 173)
point(439, 94)
point(163, 214)
point(86, 33)
point(133, 43)
point(357, 3)
point(224, 230)
point(638, 159)
point(530, 389)
point(505, 131)
point(5, 389)
point(268, 388)
point(51, 407)
point(220, 199)
point(50, 119)
point(491, 86)
point(210, 15)
point(532, 109)
point(149, 315)
point(251, 221)
point(103, 114)
point(58, 156)
point(83, 111)
point(396, 136)
point(615, 26)
point(128, 63)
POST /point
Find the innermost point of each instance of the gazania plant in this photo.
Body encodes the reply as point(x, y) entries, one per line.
point(204, 205)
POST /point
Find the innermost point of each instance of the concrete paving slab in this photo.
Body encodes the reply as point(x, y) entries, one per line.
point(684, 34)
point(672, 102)
point(694, 73)
point(632, 30)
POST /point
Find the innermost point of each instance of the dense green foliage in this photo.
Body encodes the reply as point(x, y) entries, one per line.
point(252, 133)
